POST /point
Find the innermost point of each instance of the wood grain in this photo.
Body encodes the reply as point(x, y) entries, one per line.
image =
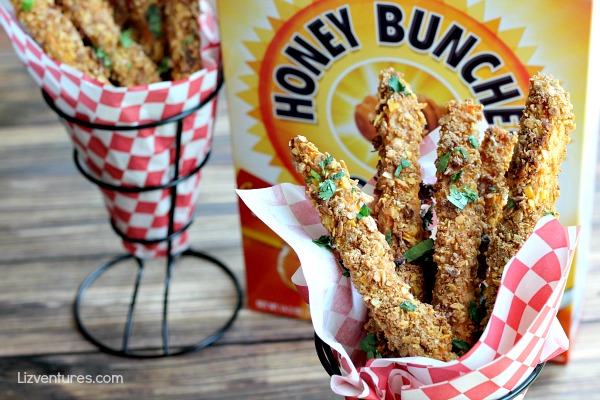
point(54, 231)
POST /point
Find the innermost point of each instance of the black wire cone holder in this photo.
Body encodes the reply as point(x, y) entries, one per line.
point(171, 259)
point(329, 362)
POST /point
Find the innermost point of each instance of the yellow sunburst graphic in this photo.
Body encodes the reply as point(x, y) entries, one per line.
point(315, 68)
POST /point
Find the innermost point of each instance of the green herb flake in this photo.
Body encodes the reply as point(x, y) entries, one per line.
point(461, 198)
point(510, 203)
point(125, 38)
point(27, 5)
point(443, 162)
point(338, 175)
point(102, 56)
point(365, 211)
point(388, 236)
point(324, 163)
point(474, 141)
point(154, 18)
point(369, 345)
point(314, 175)
point(427, 217)
point(408, 306)
point(550, 213)
point(419, 250)
point(163, 66)
point(327, 189)
point(492, 188)
point(187, 41)
point(460, 346)
point(462, 152)
point(403, 164)
point(323, 241)
point(456, 176)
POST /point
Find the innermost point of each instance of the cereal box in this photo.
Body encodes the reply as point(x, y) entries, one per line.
point(311, 68)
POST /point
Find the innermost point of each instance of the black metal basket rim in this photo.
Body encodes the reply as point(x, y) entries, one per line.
point(329, 363)
point(136, 189)
point(153, 124)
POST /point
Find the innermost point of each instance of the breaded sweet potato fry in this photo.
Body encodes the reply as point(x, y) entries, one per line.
point(532, 178)
point(59, 38)
point(410, 327)
point(459, 211)
point(399, 125)
point(183, 40)
point(496, 152)
point(128, 63)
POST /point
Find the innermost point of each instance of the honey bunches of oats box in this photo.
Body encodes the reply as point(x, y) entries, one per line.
point(311, 68)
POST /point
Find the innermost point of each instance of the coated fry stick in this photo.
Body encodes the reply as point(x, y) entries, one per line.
point(411, 328)
point(144, 19)
point(399, 125)
point(496, 152)
point(129, 64)
point(181, 20)
point(59, 38)
point(459, 211)
point(544, 133)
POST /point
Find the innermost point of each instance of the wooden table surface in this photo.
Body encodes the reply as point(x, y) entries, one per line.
point(54, 231)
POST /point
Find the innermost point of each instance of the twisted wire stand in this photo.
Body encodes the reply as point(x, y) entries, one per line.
point(171, 260)
point(329, 362)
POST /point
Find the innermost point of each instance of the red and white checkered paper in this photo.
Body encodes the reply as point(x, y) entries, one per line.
point(136, 158)
point(523, 330)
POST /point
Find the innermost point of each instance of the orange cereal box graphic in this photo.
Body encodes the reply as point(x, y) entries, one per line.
point(311, 68)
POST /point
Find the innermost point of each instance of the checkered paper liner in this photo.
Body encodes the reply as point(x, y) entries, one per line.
point(523, 329)
point(134, 158)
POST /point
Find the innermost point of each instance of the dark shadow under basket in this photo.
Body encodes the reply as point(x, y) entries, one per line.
point(328, 360)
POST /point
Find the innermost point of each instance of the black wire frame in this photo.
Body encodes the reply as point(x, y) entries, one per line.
point(125, 350)
point(330, 364)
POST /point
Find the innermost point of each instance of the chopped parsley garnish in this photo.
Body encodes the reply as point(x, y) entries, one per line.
point(492, 188)
point(27, 5)
point(103, 57)
point(327, 189)
point(550, 213)
point(368, 345)
point(125, 38)
point(408, 306)
point(427, 217)
point(403, 164)
point(397, 86)
point(154, 18)
point(460, 346)
point(388, 236)
point(510, 203)
point(314, 175)
point(324, 241)
point(443, 162)
point(324, 163)
point(477, 311)
point(474, 141)
point(461, 198)
point(365, 211)
point(187, 41)
point(419, 250)
point(456, 176)
point(163, 67)
point(462, 152)
point(338, 175)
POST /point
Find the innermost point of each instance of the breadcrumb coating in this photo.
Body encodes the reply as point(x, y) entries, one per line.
point(496, 152)
point(129, 65)
point(411, 328)
point(399, 124)
point(183, 40)
point(59, 38)
point(459, 211)
point(532, 178)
